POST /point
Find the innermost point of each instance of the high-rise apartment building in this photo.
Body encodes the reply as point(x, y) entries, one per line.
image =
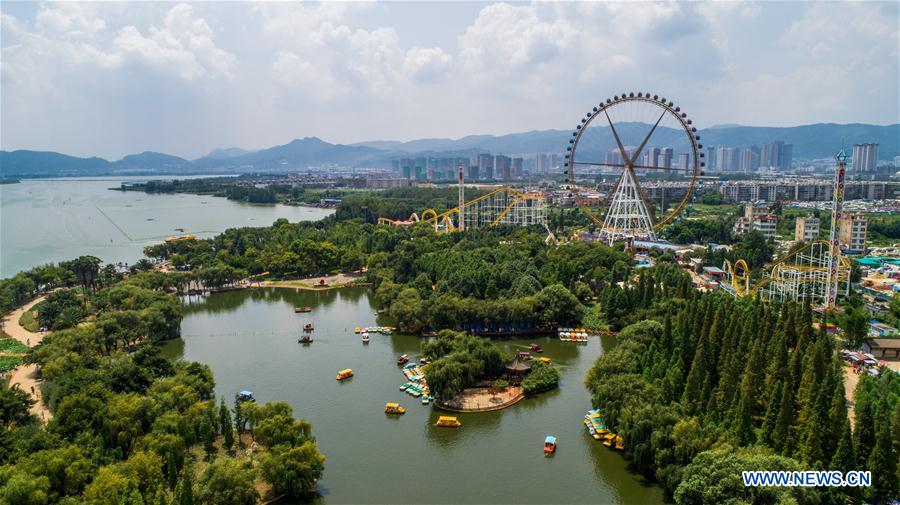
point(777, 155)
point(853, 232)
point(486, 166)
point(651, 157)
point(749, 161)
point(865, 158)
point(664, 159)
point(516, 168)
point(501, 167)
point(684, 159)
point(806, 228)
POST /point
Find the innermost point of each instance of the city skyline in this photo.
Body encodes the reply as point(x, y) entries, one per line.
point(106, 80)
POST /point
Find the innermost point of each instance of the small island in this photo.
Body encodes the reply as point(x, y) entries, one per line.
point(472, 374)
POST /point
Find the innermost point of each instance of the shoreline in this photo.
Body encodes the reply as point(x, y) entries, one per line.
point(469, 399)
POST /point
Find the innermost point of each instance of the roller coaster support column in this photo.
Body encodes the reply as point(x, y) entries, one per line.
point(462, 200)
point(834, 242)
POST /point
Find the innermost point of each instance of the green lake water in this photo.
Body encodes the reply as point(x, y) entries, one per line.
point(44, 220)
point(249, 339)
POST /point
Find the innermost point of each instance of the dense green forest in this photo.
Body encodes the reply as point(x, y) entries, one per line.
point(129, 426)
point(702, 386)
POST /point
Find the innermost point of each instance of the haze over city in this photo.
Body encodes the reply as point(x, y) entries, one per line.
point(107, 80)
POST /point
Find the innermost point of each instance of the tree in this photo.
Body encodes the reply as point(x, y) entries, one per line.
point(184, 492)
point(715, 477)
point(883, 464)
point(24, 489)
point(856, 325)
point(294, 471)
point(225, 426)
point(557, 305)
point(14, 407)
point(227, 482)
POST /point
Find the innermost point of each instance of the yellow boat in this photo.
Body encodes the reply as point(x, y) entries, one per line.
point(620, 444)
point(545, 360)
point(448, 422)
point(393, 408)
point(344, 374)
point(609, 439)
point(357, 329)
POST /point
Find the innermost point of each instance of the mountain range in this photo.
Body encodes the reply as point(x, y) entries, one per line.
point(809, 141)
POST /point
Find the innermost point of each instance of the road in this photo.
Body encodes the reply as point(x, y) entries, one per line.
point(25, 375)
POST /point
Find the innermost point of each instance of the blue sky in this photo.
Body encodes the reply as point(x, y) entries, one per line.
point(110, 79)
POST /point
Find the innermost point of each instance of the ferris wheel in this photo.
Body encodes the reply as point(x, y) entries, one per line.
point(637, 143)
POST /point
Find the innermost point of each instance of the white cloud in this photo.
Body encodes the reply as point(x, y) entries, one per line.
point(184, 44)
point(233, 74)
point(427, 64)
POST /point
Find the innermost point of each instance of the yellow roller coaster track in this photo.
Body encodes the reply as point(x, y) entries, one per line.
point(740, 271)
point(445, 219)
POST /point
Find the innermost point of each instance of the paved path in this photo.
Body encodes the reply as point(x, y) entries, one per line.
point(24, 375)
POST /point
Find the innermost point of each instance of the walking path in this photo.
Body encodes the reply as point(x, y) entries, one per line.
point(25, 375)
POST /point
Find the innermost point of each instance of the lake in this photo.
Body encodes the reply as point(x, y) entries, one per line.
point(50, 220)
point(249, 339)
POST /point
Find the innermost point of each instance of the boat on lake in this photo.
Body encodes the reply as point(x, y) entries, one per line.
point(246, 396)
point(609, 439)
point(402, 359)
point(549, 444)
point(536, 348)
point(620, 443)
point(426, 399)
point(305, 339)
point(393, 408)
point(308, 327)
point(545, 360)
point(448, 422)
point(365, 338)
point(302, 309)
point(357, 329)
point(344, 374)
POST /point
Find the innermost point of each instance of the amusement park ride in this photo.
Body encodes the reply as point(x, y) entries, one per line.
point(613, 140)
point(811, 272)
point(500, 206)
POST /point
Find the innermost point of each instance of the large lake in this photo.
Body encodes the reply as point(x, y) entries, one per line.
point(44, 220)
point(249, 339)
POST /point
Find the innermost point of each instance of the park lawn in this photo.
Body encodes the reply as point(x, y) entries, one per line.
point(12, 346)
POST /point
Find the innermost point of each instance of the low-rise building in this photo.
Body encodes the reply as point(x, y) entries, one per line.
point(882, 347)
point(757, 218)
point(806, 228)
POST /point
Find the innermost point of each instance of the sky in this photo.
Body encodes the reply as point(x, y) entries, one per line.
point(110, 79)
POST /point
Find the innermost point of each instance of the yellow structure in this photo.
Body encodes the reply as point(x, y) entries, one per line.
point(500, 206)
point(801, 274)
point(344, 374)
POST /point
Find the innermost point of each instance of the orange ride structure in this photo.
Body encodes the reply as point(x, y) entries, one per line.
point(500, 206)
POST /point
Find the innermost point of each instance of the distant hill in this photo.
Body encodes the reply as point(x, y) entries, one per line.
point(48, 163)
point(299, 153)
point(228, 152)
point(151, 161)
point(810, 141)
